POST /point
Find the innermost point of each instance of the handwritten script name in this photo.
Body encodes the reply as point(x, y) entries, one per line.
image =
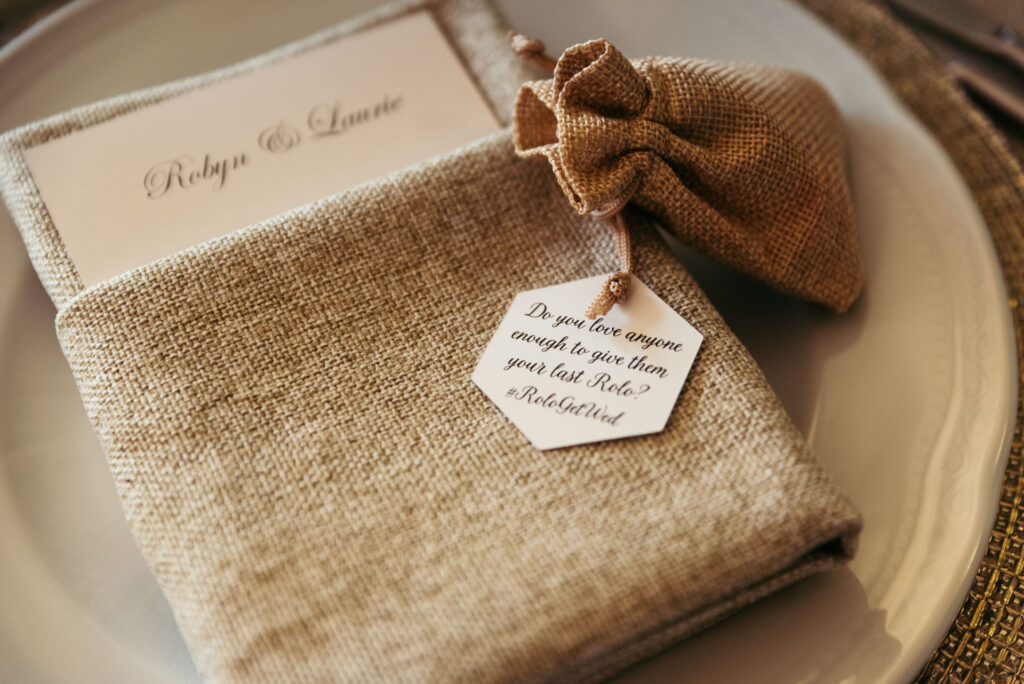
point(333, 119)
point(185, 173)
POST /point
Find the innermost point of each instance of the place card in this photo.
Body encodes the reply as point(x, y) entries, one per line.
point(154, 181)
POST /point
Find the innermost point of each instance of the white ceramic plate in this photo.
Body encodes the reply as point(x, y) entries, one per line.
point(908, 399)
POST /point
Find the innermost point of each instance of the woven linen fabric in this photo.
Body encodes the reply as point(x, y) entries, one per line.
point(745, 162)
point(324, 495)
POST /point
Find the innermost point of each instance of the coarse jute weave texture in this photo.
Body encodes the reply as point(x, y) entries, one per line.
point(986, 641)
point(324, 495)
point(745, 162)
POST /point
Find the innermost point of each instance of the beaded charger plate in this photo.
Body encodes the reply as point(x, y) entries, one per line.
point(908, 399)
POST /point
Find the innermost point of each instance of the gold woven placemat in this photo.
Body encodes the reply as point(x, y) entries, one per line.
point(986, 641)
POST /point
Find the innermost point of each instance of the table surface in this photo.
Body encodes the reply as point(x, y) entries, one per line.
point(986, 641)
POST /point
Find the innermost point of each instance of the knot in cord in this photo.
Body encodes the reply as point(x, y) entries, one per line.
point(531, 49)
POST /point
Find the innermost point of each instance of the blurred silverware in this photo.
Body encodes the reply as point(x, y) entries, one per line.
point(984, 53)
point(961, 21)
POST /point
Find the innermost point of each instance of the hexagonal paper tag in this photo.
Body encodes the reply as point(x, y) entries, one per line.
point(565, 380)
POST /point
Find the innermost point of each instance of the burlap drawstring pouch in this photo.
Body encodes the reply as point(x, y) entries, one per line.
point(324, 495)
point(744, 162)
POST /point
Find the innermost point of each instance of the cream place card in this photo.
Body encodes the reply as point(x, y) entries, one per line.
point(564, 380)
point(152, 182)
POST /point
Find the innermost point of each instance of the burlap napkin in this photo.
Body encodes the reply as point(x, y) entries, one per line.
point(324, 495)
